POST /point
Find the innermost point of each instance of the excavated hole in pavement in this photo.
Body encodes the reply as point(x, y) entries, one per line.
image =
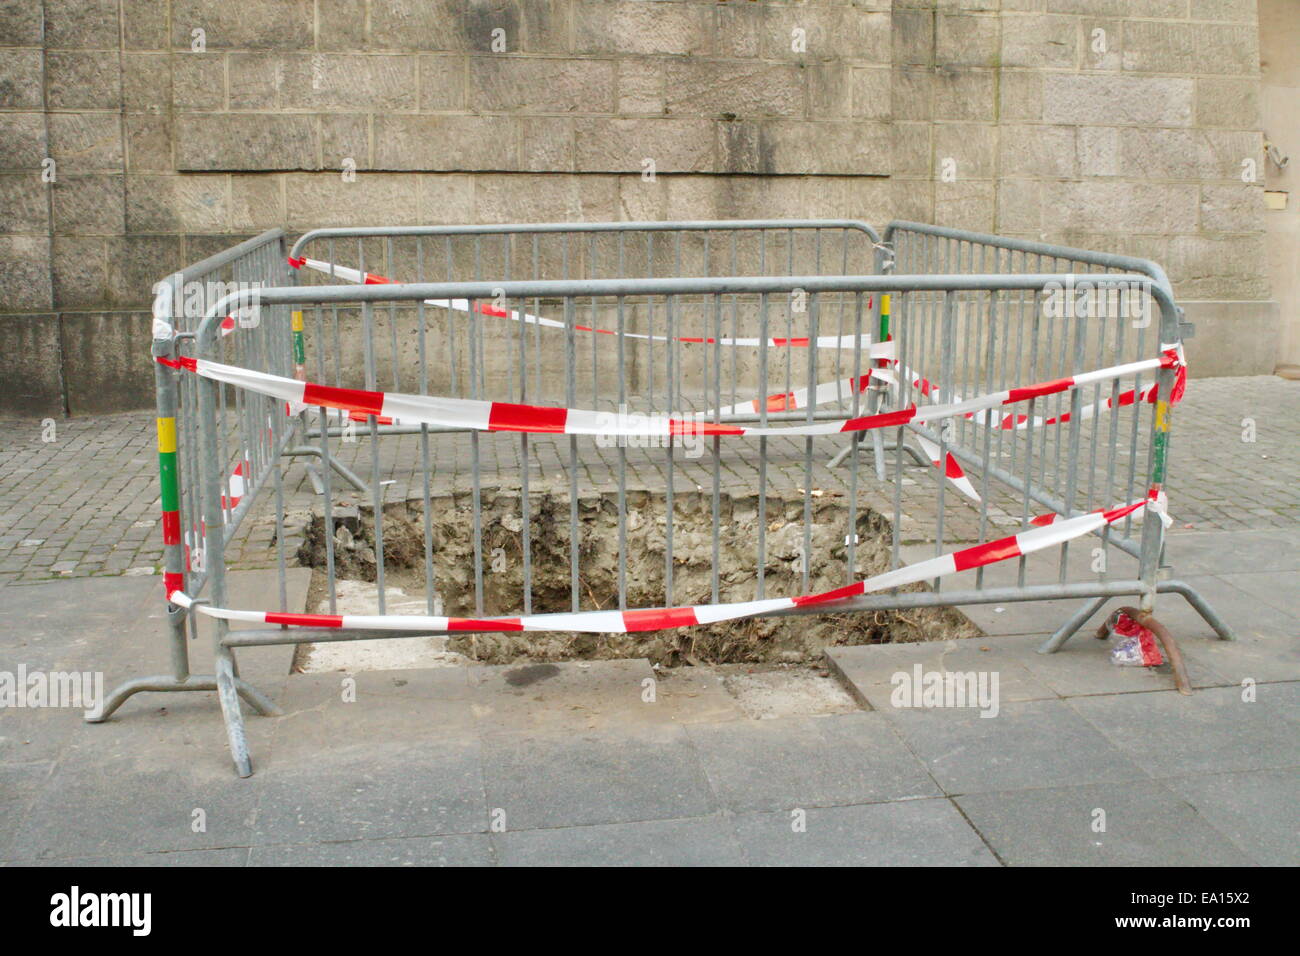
point(771, 642)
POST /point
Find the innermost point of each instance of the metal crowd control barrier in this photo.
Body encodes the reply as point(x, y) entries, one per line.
point(794, 325)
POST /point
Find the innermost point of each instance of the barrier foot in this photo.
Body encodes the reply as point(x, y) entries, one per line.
point(166, 684)
point(855, 445)
point(1201, 606)
point(1068, 629)
point(228, 694)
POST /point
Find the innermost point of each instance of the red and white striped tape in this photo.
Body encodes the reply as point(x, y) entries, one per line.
point(657, 619)
point(506, 416)
point(527, 318)
point(823, 393)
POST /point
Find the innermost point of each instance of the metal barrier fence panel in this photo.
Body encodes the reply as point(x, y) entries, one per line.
point(747, 339)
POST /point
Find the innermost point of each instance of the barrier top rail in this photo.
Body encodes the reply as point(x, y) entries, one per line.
point(1110, 260)
point(524, 228)
point(721, 285)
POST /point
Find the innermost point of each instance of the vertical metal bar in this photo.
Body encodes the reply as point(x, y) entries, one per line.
point(570, 373)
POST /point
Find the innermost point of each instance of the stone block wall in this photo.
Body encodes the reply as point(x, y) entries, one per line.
point(176, 127)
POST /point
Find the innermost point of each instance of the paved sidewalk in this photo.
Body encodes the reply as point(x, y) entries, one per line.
point(571, 764)
point(87, 502)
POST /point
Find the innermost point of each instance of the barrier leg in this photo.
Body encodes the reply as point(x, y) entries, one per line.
point(1202, 607)
point(1068, 629)
point(228, 693)
point(166, 684)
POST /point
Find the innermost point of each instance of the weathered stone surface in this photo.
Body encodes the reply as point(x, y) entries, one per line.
point(451, 143)
point(446, 199)
point(1109, 206)
point(256, 201)
point(1116, 100)
point(20, 79)
point(81, 24)
point(1099, 150)
point(623, 145)
point(442, 83)
point(148, 143)
point(88, 204)
point(1235, 208)
point(872, 94)
point(540, 85)
point(429, 25)
point(185, 203)
point(972, 147)
point(77, 80)
point(21, 24)
point(136, 262)
point(1227, 102)
point(33, 379)
point(23, 145)
point(705, 88)
point(543, 198)
point(344, 139)
point(79, 272)
point(199, 81)
point(621, 26)
point(85, 142)
point(828, 32)
point(965, 95)
point(913, 38)
point(963, 40)
point(146, 82)
point(1228, 267)
point(144, 24)
point(326, 200)
point(1037, 151)
point(965, 204)
point(912, 149)
point(245, 141)
point(791, 147)
point(1020, 204)
point(101, 361)
point(910, 94)
point(1039, 42)
point(1161, 46)
point(249, 25)
point(330, 81)
point(24, 273)
point(24, 208)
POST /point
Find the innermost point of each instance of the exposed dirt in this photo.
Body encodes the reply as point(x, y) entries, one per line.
point(769, 640)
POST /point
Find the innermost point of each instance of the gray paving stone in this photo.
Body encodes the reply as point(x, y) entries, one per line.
point(228, 857)
point(98, 804)
point(809, 762)
point(457, 849)
point(1258, 811)
point(372, 789)
point(707, 841)
point(554, 780)
point(907, 833)
point(1033, 744)
point(1146, 825)
point(1212, 731)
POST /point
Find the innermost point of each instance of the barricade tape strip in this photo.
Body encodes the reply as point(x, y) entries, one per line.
point(656, 619)
point(527, 318)
point(507, 416)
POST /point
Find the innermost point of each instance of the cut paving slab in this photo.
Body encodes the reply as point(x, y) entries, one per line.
point(809, 762)
point(906, 833)
point(1144, 824)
